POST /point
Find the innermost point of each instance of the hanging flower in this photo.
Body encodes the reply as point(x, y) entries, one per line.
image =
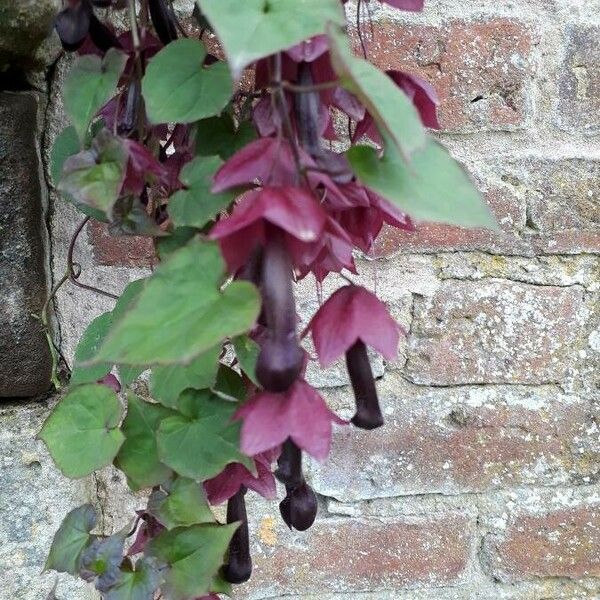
point(270, 419)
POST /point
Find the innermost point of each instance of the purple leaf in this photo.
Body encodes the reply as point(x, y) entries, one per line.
point(300, 414)
point(350, 314)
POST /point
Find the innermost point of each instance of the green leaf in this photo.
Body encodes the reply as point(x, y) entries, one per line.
point(71, 539)
point(93, 178)
point(86, 349)
point(101, 560)
point(137, 585)
point(65, 145)
point(138, 456)
point(218, 136)
point(434, 187)
point(196, 205)
point(178, 88)
point(202, 441)
point(254, 29)
point(386, 102)
point(194, 554)
point(229, 383)
point(128, 297)
point(184, 505)
point(168, 382)
point(247, 350)
point(82, 432)
point(90, 84)
point(181, 311)
point(179, 237)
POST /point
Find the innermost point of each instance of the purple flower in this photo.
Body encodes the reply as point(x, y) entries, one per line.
point(300, 414)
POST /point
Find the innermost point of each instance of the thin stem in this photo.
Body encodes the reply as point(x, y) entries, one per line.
point(307, 89)
point(285, 117)
point(135, 34)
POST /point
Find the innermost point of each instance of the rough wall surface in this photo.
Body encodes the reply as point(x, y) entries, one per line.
point(485, 481)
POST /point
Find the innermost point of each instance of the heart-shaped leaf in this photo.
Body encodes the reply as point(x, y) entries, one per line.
point(82, 432)
point(434, 187)
point(86, 349)
point(168, 382)
point(137, 585)
point(194, 555)
point(197, 205)
point(199, 443)
point(184, 296)
point(138, 456)
point(90, 84)
point(178, 88)
point(71, 539)
point(184, 505)
point(254, 29)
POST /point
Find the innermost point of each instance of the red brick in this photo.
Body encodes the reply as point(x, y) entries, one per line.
point(342, 555)
point(480, 69)
point(122, 251)
point(562, 543)
point(452, 441)
point(495, 332)
point(579, 83)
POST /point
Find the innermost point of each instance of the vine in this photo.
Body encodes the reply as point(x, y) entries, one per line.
point(220, 149)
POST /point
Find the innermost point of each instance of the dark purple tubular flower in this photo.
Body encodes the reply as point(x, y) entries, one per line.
point(299, 507)
point(163, 21)
point(289, 465)
point(102, 36)
point(239, 566)
point(281, 359)
point(368, 414)
point(351, 318)
point(72, 24)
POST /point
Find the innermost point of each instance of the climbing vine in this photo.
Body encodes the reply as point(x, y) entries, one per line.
point(220, 147)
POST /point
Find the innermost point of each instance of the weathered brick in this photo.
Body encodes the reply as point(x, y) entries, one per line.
point(495, 332)
point(123, 251)
point(563, 201)
point(452, 441)
point(368, 554)
point(479, 69)
point(579, 84)
point(560, 543)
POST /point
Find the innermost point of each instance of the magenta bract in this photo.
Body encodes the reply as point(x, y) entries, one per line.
point(353, 313)
point(300, 414)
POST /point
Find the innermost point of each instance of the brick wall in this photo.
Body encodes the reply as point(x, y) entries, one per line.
point(484, 483)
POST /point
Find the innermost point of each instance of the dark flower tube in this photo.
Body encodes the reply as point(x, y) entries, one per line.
point(368, 414)
point(280, 360)
point(130, 115)
point(239, 566)
point(163, 21)
point(299, 508)
point(101, 35)
point(289, 465)
point(72, 25)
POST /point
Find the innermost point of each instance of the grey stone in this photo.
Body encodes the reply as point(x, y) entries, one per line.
point(26, 363)
point(24, 26)
point(34, 498)
point(579, 86)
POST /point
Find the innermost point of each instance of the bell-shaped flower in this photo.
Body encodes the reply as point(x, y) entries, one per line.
point(353, 314)
point(301, 414)
point(235, 475)
point(294, 210)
